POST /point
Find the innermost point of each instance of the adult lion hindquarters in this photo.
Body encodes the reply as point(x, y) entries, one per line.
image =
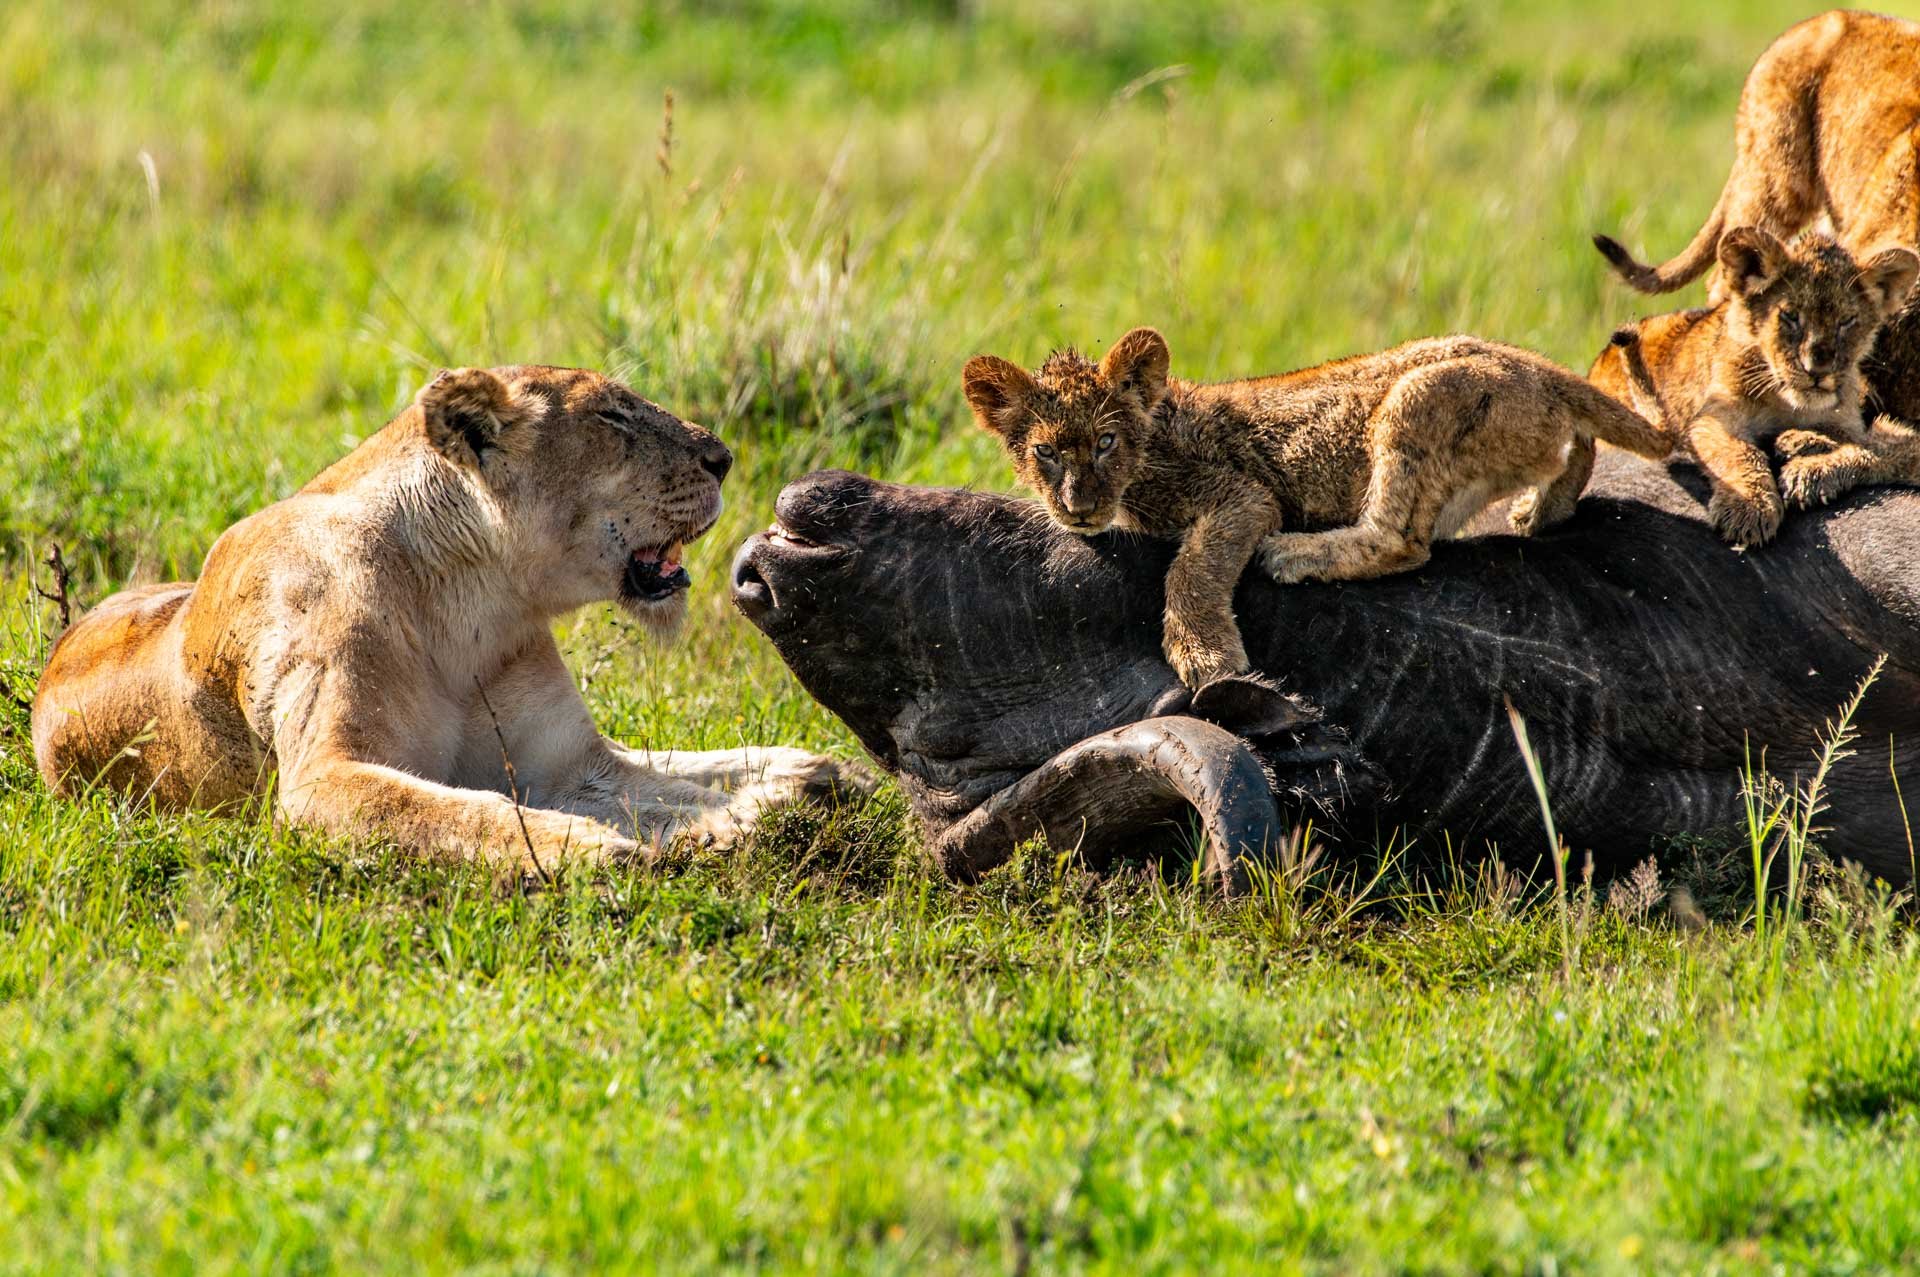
point(1828, 124)
point(380, 642)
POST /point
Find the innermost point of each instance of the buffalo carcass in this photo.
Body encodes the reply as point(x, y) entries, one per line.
point(1009, 674)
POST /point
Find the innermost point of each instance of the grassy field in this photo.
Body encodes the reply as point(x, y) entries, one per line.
point(234, 238)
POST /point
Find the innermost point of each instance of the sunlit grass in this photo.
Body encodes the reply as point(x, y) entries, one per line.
point(235, 239)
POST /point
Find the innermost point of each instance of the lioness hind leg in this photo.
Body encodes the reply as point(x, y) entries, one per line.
point(1553, 502)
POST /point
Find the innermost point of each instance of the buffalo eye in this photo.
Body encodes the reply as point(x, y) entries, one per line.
point(1106, 442)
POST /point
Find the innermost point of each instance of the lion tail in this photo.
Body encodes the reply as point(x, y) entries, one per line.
point(1676, 272)
point(1599, 415)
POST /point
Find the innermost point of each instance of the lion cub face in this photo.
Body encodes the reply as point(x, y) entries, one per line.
point(1811, 310)
point(594, 491)
point(1075, 430)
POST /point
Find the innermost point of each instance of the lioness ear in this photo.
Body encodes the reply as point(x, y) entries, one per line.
point(1251, 707)
point(997, 391)
point(1751, 257)
point(1138, 362)
point(469, 412)
point(1889, 277)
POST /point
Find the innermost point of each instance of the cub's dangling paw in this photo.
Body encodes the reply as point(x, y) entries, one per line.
point(1199, 663)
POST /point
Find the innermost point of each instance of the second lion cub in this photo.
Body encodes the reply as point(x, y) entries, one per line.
point(1369, 458)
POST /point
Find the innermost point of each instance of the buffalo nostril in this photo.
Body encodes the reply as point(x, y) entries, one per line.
point(717, 463)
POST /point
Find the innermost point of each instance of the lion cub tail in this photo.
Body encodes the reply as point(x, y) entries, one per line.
point(1597, 414)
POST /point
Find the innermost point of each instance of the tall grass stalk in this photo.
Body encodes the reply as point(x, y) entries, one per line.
point(1569, 954)
point(1787, 822)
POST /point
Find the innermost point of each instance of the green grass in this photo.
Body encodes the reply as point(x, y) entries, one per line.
point(234, 239)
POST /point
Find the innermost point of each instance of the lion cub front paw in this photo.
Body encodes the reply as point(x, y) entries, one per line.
point(1804, 443)
point(1744, 522)
point(1815, 480)
point(1199, 663)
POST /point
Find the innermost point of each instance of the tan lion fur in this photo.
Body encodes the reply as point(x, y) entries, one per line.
point(361, 649)
point(1364, 461)
point(1828, 125)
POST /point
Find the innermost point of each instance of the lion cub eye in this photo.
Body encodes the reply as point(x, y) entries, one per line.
point(1790, 321)
point(1844, 324)
point(1044, 451)
point(1105, 443)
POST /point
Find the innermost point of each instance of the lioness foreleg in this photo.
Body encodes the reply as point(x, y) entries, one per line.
point(360, 799)
point(733, 769)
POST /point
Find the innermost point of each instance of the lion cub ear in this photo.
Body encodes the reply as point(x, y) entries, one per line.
point(997, 391)
point(1138, 362)
point(1752, 259)
point(1889, 276)
point(470, 412)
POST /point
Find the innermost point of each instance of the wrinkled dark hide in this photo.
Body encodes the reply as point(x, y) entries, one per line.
point(972, 648)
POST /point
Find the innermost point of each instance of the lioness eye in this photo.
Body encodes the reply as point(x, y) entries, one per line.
point(1106, 441)
point(1789, 320)
point(1043, 451)
point(1845, 324)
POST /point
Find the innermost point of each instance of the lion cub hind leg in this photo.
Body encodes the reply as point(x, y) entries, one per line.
point(1553, 501)
point(1424, 470)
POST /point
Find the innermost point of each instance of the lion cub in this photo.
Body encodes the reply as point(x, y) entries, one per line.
point(1371, 457)
point(1780, 359)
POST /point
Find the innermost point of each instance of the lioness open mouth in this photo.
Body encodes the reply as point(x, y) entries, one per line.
point(654, 573)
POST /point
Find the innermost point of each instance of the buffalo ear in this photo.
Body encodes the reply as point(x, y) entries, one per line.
point(998, 392)
point(1752, 259)
point(470, 412)
point(1889, 277)
point(1138, 362)
point(1251, 707)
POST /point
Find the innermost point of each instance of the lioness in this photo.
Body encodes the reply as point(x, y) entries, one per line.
point(1828, 123)
point(1379, 453)
point(1780, 357)
point(380, 639)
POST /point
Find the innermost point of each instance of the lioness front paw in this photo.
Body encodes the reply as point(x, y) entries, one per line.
point(1743, 522)
point(547, 847)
